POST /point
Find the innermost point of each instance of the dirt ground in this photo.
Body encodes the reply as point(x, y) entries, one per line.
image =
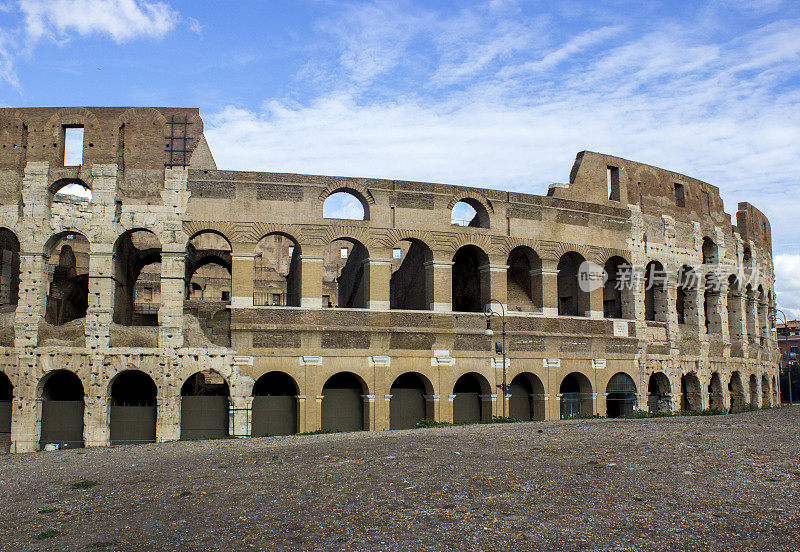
point(712, 483)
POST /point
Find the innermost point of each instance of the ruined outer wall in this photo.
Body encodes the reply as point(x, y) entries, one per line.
point(127, 166)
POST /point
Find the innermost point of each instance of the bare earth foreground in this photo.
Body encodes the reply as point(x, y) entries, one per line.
point(695, 483)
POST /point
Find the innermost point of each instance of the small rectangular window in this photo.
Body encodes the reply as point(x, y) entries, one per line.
point(226, 295)
point(73, 146)
point(343, 252)
point(680, 195)
point(612, 183)
point(396, 253)
point(291, 251)
point(276, 299)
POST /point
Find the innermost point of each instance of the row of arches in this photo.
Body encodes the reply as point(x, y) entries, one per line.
point(688, 284)
point(762, 392)
point(278, 281)
point(205, 403)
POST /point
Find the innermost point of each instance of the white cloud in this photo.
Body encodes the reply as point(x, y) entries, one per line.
point(342, 205)
point(564, 52)
point(787, 284)
point(7, 71)
point(122, 20)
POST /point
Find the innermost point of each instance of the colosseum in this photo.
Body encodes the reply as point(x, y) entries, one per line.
point(148, 296)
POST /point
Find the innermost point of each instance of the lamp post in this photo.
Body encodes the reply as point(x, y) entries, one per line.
point(489, 312)
point(788, 355)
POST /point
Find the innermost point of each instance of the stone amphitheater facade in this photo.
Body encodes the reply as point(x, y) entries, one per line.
point(399, 335)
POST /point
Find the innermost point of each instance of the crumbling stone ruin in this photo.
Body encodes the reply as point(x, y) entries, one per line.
point(148, 296)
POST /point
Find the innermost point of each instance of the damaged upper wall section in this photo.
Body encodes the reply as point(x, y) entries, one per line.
point(753, 226)
point(142, 141)
point(610, 180)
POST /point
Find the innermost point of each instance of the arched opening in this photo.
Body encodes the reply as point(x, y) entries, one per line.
point(527, 400)
point(137, 278)
point(709, 251)
point(205, 406)
point(747, 257)
point(411, 284)
point(6, 396)
point(133, 408)
point(691, 394)
point(659, 393)
point(408, 405)
point(737, 393)
point(734, 309)
point(345, 203)
point(618, 289)
point(524, 280)
point(9, 271)
point(716, 401)
point(345, 274)
point(470, 281)
point(208, 285)
point(69, 191)
point(749, 303)
point(343, 403)
point(620, 396)
point(711, 304)
point(655, 292)
point(572, 300)
point(685, 295)
point(575, 396)
point(277, 271)
point(68, 275)
point(62, 410)
point(469, 212)
point(467, 403)
point(753, 390)
point(274, 405)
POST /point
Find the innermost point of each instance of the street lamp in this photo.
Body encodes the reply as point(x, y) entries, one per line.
point(489, 312)
point(788, 355)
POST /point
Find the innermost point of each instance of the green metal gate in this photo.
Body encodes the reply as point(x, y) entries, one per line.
point(520, 403)
point(204, 417)
point(406, 408)
point(5, 416)
point(62, 423)
point(342, 409)
point(274, 415)
point(133, 424)
point(467, 407)
point(570, 405)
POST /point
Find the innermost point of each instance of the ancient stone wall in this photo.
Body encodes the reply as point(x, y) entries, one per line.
point(417, 283)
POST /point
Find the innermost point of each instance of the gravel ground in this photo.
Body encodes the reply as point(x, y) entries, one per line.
point(696, 483)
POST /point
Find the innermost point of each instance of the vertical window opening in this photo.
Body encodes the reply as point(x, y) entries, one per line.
point(612, 183)
point(73, 146)
point(680, 195)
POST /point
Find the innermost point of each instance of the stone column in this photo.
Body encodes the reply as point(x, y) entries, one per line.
point(33, 288)
point(378, 274)
point(168, 416)
point(301, 413)
point(440, 280)
point(26, 410)
point(100, 310)
point(240, 416)
point(170, 315)
point(242, 274)
point(311, 264)
point(447, 409)
point(549, 275)
point(494, 285)
point(596, 303)
point(432, 407)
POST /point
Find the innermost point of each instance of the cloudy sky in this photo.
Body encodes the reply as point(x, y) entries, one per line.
point(492, 93)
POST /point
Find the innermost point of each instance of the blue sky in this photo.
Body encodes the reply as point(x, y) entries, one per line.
point(492, 93)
